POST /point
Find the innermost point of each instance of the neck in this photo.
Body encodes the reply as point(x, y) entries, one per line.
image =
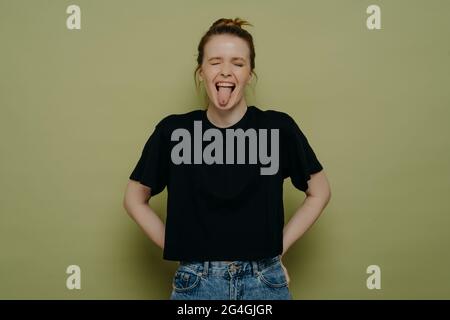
point(226, 118)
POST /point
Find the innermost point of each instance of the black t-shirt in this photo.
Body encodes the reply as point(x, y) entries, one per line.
point(223, 205)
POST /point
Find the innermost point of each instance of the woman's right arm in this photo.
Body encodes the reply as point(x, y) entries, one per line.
point(136, 204)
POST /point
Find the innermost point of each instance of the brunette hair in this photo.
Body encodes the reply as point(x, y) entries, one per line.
point(226, 26)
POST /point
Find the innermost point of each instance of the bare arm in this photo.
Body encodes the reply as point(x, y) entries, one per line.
point(318, 195)
point(136, 204)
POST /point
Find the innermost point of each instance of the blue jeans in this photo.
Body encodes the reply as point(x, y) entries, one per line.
point(238, 280)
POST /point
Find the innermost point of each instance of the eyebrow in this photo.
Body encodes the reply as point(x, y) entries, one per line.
point(220, 58)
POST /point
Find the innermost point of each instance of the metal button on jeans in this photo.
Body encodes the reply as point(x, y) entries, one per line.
point(233, 268)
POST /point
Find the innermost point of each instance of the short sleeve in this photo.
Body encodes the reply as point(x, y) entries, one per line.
point(300, 160)
point(152, 168)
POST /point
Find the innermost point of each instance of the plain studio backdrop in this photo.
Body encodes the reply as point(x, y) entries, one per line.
point(78, 105)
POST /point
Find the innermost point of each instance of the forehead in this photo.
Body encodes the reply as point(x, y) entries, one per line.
point(225, 45)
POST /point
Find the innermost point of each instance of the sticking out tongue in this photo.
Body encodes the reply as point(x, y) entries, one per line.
point(224, 95)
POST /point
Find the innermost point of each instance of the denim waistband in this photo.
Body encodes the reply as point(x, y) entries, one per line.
point(254, 265)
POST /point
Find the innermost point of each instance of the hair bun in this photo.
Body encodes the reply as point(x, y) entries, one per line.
point(237, 22)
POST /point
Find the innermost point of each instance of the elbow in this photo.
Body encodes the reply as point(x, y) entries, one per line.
point(328, 197)
point(127, 204)
point(131, 202)
point(323, 195)
point(325, 192)
point(325, 198)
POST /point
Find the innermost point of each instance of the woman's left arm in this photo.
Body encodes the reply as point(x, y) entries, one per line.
point(318, 195)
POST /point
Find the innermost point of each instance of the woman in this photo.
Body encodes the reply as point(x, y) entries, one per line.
point(224, 169)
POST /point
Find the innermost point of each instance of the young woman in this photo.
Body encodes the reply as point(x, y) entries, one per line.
point(224, 169)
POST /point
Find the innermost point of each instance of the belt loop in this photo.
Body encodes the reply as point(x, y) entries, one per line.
point(205, 267)
point(255, 268)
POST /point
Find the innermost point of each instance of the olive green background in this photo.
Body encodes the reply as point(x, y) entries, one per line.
point(78, 105)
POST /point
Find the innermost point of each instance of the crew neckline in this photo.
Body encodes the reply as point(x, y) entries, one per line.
point(240, 121)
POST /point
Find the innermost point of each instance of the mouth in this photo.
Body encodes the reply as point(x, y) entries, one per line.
point(222, 84)
point(224, 91)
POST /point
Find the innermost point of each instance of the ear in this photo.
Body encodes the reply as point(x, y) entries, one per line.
point(200, 74)
point(251, 78)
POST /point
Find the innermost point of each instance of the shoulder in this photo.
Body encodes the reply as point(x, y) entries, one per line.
point(277, 119)
point(178, 120)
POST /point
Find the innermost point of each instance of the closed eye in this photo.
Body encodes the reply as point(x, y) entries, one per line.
point(239, 65)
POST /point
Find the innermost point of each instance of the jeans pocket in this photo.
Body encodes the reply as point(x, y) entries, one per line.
point(273, 276)
point(185, 279)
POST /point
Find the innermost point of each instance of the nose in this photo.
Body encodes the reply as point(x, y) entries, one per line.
point(225, 71)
